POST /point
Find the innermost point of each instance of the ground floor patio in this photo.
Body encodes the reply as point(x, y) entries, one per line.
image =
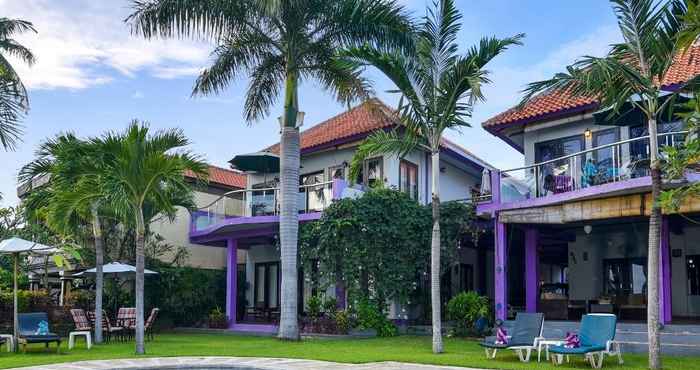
point(405, 349)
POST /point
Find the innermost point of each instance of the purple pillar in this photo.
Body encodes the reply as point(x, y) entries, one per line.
point(500, 258)
point(338, 186)
point(665, 311)
point(340, 296)
point(531, 269)
point(231, 277)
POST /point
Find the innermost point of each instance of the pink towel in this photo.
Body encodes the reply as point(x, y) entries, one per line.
point(501, 336)
point(572, 340)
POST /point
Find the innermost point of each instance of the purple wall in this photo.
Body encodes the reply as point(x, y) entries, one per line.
point(500, 258)
point(531, 269)
point(231, 283)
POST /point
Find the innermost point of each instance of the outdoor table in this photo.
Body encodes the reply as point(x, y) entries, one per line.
point(546, 343)
point(10, 343)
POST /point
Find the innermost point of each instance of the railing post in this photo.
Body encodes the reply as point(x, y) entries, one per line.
point(339, 186)
point(495, 186)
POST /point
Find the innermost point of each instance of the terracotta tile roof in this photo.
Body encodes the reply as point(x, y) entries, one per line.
point(222, 176)
point(356, 122)
point(558, 103)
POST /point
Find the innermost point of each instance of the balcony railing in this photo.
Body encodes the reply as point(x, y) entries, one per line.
point(264, 202)
point(615, 162)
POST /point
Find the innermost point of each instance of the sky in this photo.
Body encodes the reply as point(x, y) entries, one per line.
point(92, 76)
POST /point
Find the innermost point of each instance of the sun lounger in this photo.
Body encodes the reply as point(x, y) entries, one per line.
point(526, 331)
point(597, 339)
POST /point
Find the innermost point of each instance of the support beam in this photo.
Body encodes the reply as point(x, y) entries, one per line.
point(231, 280)
point(665, 274)
point(531, 269)
point(500, 258)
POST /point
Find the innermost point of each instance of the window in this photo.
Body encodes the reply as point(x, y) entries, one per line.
point(625, 276)
point(267, 285)
point(556, 176)
point(408, 178)
point(639, 150)
point(466, 277)
point(693, 272)
point(263, 202)
point(607, 159)
point(337, 172)
point(373, 172)
point(313, 197)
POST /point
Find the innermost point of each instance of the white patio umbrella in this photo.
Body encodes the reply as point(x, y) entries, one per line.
point(115, 268)
point(16, 246)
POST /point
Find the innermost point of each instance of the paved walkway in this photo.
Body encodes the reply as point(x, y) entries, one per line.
point(239, 363)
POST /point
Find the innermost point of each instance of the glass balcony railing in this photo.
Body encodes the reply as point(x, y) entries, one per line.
point(264, 202)
point(615, 162)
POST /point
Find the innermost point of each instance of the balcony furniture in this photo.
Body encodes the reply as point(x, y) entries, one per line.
point(597, 338)
point(107, 327)
point(34, 328)
point(126, 319)
point(9, 342)
point(149, 323)
point(526, 333)
point(86, 334)
point(546, 343)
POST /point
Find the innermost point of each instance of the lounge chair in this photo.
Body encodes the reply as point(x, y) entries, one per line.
point(597, 337)
point(525, 333)
point(29, 330)
point(149, 323)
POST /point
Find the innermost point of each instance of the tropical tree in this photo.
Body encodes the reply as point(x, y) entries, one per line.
point(278, 44)
point(14, 101)
point(140, 172)
point(438, 88)
point(70, 198)
point(631, 74)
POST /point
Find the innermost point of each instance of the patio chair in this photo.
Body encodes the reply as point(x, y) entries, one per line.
point(126, 319)
point(597, 338)
point(107, 329)
point(149, 323)
point(29, 330)
point(526, 332)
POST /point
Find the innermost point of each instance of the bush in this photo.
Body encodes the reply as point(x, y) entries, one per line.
point(343, 322)
point(330, 306)
point(369, 316)
point(313, 306)
point(217, 319)
point(465, 309)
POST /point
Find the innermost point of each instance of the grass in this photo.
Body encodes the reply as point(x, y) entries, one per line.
point(458, 352)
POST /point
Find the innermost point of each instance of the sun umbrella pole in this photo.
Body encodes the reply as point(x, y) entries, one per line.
point(15, 323)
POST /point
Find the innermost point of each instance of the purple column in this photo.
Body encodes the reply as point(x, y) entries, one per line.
point(339, 296)
point(531, 269)
point(338, 186)
point(665, 311)
point(231, 283)
point(500, 258)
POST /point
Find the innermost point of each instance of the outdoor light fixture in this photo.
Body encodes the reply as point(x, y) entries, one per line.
point(300, 119)
point(587, 229)
point(587, 133)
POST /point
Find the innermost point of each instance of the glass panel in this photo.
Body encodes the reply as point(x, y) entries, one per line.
point(374, 174)
point(315, 197)
point(604, 167)
point(272, 285)
point(337, 172)
point(639, 278)
point(408, 176)
point(263, 203)
point(557, 177)
point(260, 286)
point(693, 270)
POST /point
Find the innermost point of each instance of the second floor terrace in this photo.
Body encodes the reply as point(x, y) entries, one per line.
point(617, 168)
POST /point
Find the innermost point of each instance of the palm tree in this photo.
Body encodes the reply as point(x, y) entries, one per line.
point(72, 197)
point(13, 95)
point(438, 88)
point(278, 44)
point(139, 172)
point(632, 73)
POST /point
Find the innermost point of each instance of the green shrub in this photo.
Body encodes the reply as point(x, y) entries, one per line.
point(369, 316)
point(330, 306)
point(465, 309)
point(343, 321)
point(217, 319)
point(313, 306)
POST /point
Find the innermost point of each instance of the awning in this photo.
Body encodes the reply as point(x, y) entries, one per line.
point(630, 115)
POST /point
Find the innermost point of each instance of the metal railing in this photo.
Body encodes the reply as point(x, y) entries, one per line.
point(619, 161)
point(260, 202)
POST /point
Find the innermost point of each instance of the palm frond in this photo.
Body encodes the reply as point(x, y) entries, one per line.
point(264, 88)
point(399, 142)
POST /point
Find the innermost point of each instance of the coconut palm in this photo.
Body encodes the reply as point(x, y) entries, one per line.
point(630, 74)
point(278, 44)
point(13, 95)
point(438, 88)
point(72, 197)
point(139, 172)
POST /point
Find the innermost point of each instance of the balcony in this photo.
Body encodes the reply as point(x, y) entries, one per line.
point(620, 167)
point(263, 204)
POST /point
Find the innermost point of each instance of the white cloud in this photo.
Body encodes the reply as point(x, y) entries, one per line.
point(137, 95)
point(83, 42)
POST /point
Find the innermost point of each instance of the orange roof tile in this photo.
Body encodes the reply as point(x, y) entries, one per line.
point(222, 176)
point(360, 120)
point(558, 103)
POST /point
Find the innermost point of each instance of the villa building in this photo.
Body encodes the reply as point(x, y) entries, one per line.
point(245, 223)
point(571, 224)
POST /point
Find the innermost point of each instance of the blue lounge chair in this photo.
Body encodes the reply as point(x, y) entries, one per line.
point(525, 333)
point(597, 338)
point(29, 330)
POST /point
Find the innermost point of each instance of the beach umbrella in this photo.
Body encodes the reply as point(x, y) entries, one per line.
point(16, 246)
point(263, 162)
point(117, 269)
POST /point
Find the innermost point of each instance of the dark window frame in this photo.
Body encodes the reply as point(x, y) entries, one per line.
point(266, 292)
point(409, 166)
point(580, 137)
point(365, 169)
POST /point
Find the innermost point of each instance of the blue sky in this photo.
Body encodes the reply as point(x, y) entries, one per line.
point(92, 76)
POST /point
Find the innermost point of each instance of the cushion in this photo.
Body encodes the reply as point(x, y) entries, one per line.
point(42, 338)
point(575, 351)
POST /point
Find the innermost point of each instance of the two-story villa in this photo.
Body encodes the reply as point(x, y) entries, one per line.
point(571, 224)
point(245, 222)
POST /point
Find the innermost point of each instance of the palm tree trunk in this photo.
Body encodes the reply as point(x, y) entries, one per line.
point(140, 265)
point(99, 276)
point(435, 256)
point(289, 215)
point(653, 254)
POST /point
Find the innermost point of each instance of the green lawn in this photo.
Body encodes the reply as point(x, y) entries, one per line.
point(458, 352)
